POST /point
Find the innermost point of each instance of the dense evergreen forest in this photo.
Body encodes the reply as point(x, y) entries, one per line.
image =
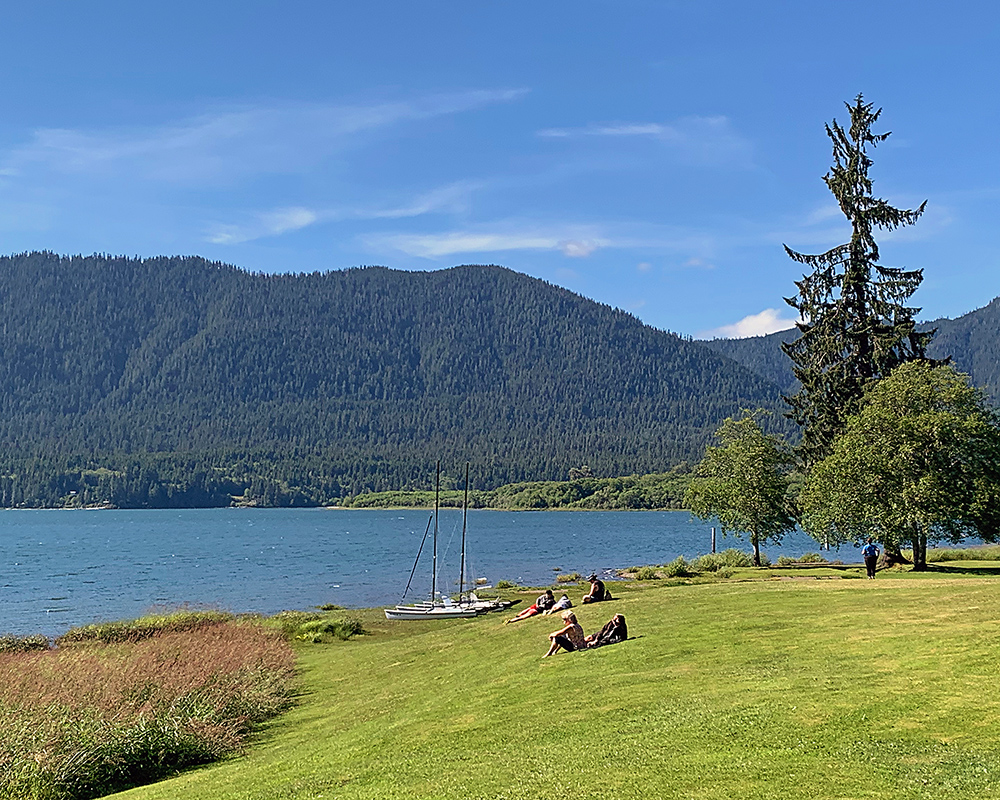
point(971, 341)
point(174, 382)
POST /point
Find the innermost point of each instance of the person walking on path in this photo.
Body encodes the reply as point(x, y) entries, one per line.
point(870, 552)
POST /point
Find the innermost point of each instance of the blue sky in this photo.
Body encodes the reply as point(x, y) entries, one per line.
point(653, 156)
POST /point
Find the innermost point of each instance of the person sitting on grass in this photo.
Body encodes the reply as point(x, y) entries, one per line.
point(612, 633)
point(570, 637)
point(598, 593)
point(543, 603)
point(561, 605)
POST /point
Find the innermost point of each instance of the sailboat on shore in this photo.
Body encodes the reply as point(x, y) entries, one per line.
point(471, 600)
point(442, 607)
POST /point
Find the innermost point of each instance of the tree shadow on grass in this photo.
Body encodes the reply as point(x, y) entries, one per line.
point(966, 568)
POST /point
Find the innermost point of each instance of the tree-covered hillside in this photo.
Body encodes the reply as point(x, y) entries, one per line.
point(762, 355)
point(972, 341)
point(174, 381)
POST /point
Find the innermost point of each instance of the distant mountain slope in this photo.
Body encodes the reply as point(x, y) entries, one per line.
point(972, 341)
point(762, 355)
point(333, 383)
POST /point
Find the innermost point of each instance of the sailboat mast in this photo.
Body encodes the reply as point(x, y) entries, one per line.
point(434, 568)
point(465, 518)
point(416, 561)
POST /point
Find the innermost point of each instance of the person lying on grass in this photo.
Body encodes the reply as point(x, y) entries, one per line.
point(613, 632)
point(569, 638)
point(543, 603)
point(561, 605)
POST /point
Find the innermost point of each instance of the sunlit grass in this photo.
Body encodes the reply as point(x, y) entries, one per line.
point(789, 687)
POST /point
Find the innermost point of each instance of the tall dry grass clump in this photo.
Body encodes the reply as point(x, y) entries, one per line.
point(90, 719)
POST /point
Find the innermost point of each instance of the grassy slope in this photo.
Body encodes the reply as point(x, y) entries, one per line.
point(785, 688)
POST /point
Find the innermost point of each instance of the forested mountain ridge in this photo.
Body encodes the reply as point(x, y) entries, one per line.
point(762, 355)
point(176, 381)
point(972, 341)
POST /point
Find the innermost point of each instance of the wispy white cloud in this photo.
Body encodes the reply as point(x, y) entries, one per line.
point(935, 219)
point(696, 262)
point(270, 223)
point(686, 249)
point(767, 321)
point(259, 225)
point(709, 140)
point(824, 213)
point(623, 129)
point(454, 198)
point(816, 231)
point(825, 227)
point(229, 145)
point(569, 243)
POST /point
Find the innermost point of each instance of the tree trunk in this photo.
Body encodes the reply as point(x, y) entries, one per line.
point(892, 555)
point(919, 549)
point(756, 550)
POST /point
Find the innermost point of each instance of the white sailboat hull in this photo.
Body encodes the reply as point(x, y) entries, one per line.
point(427, 611)
point(484, 606)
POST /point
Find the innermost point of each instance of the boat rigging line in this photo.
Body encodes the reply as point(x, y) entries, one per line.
point(430, 519)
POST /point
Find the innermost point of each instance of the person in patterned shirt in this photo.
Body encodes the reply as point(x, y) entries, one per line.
point(570, 637)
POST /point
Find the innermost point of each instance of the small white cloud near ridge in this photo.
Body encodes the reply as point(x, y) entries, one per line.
point(767, 321)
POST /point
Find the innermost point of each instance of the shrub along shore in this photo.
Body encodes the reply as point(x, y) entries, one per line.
point(661, 490)
point(770, 682)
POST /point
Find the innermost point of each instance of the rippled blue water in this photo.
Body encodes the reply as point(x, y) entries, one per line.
point(64, 568)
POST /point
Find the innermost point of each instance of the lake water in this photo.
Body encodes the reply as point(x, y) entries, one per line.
point(59, 569)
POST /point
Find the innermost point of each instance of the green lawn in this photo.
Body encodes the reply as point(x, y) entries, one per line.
point(783, 688)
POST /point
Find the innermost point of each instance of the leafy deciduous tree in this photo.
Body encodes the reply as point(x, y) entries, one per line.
point(856, 327)
point(919, 462)
point(744, 481)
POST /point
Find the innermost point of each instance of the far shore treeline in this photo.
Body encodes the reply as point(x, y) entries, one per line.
point(176, 382)
point(144, 488)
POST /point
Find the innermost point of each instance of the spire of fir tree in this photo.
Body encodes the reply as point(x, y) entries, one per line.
point(856, 327)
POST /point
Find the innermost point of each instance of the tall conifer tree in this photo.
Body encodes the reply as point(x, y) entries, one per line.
point(856, 326)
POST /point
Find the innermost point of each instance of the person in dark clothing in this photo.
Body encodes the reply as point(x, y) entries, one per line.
point(870, 552)
point(613, 632)
point(598, 593)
